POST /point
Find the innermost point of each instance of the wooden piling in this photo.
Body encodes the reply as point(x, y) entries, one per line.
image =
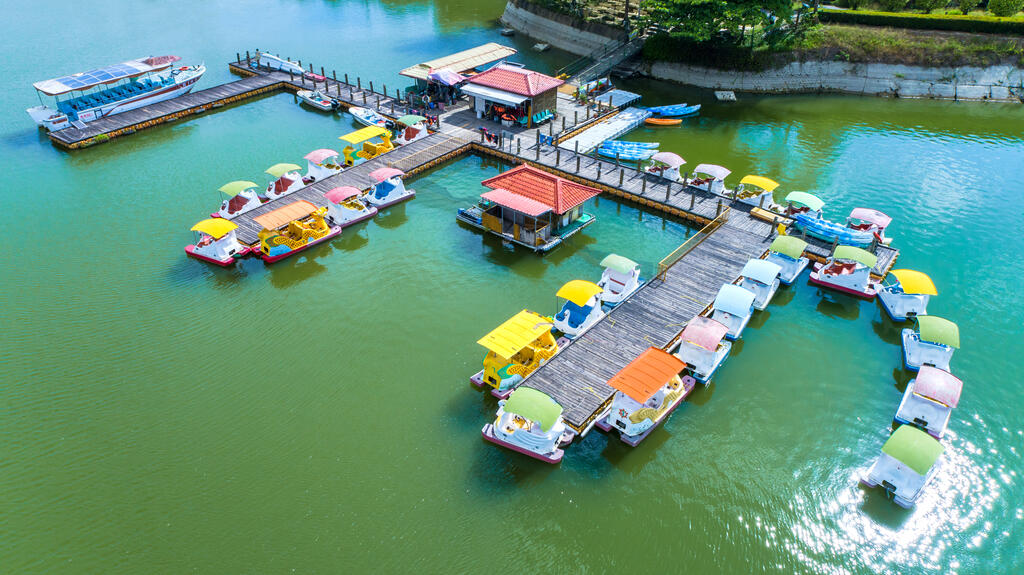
point(577, 163)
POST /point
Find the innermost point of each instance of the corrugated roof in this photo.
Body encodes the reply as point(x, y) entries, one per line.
point(646, 374)
point(516, 80)
point(559, 194)
point(516, 333)
point(461, 61)
point(281, 216)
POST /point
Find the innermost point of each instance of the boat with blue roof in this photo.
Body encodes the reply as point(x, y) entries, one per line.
point(733, 307)
point(762, 278)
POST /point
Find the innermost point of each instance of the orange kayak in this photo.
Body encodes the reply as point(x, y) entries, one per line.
point(663, 121)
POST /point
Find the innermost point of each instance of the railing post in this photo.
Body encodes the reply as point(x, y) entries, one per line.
point(247, 56)
point(718, 210)
point(322, 73)
point(575, 117)
point(238, 57)
point(384, 90)
point(334, 75)
point(346, 78)
point(617, 160)
point(371, 86)
point(378, 102)
point(392, 107)
point(599, 166)
point(577, 147)
point(563, 123)
point(359, 82)
point(558, 155)
point(538, 144)
point(685, 179)
point(337, 89)
point(577, 163)
point(519, 146)
point(643, 187)
point(588, 112)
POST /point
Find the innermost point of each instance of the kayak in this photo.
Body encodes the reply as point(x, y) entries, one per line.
point(631, 155)
point(828, 230)
point(663, 121)
point(631, 145)
point(676, 110)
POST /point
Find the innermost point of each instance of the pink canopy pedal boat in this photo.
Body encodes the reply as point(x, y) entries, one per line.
point(387, 188)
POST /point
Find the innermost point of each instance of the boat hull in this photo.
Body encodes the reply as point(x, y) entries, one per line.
point(553, 457)
point(191, 251)
point(868, 293)
point(335, 231)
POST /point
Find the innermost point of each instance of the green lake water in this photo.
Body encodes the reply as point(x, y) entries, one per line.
point(314, 416)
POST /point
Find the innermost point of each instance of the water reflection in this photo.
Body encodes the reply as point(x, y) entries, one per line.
point(392, 216)
point(839, 306)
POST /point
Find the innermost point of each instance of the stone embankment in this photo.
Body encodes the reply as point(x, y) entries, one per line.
point(559, 30)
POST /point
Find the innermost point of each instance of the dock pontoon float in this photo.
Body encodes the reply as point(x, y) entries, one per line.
point(345, 207)
point(620, 278)
point(904, 294)
point(733, 307)
point(514, 350)
point(762, 278)
point(929, 400)
point(286, 180)
point(241, 197)
point(216, 242)
point(702, 345)
point(847, 270)
point(756, 191)
point(387, 188)
point(530, 422)
point(932, 344)
point(869, 220)
point(322, 163)
point(803, 203)
point(647, 391)
point(788, 253)
point(906, 465)
point(291, 229)
point(581, 310)
point(712, 178)
point(374, 141)
point(411, 128)
point(666, 165)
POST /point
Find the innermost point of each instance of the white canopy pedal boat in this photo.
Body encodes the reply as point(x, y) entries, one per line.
point(762, 278)
point(388, 188)
point(318, 100)
point(702, 345)
point(712, 178)
point(904, 294)
point(666, 165)
point(530, 422)
point(581, 310)
point(344, 206)
point(788, 253)
point(870, 220)
point(620, 278)
point(241, 198)
point(286, 180)
point(906, 465)
point(321, 164)
point(929, 400)
point(216, 242)
point(848, 270)
point(733, 307)
point(932, 344)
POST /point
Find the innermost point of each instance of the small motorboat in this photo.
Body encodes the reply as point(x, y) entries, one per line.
point(241, 197)
point(932, 344)
point(788, 253)
point(530, 422)
point(666, 165)
point(286, 180)
point(803, 203)
point(702, 345)
point(712, 178)
point(268, 61)
point(368, 117)
point(321, 164)
point(675, 110)
point(514, 350)
point(581, 310)
point(762, 278)
point(848, 270)
point(291, 229)
point(756, 191)
point(216, 243)
point(345, 208)
point(648, 389)
point(663, 121)
point(630, 145)
point(906, 465)
point(733, 308)
point(620, 278)
point(388, 188)
point(830, 231)
point(411, 128)
point(929, 400)
point(904, 294)
point(869, 220)
point(318, 100)
point(627, 154)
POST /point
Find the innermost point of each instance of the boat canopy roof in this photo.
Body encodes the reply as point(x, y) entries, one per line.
point(858, 255)
point(381, 174)
point(646, 374)
point(461, 61)
point(107, 75)
point(705, 332)
point(762, 271)
point(579, 292)
point(411, 119)
point(715, 171)
point(317, 156)
point(340, 194)
point(805, 199)
point(935, 329)
point(237, 187)
point(871, 216)
point(278, 170)
point(733, 299)
point(516, 333)
point(762, 182)
point(361, 135)
point(281, 216)
point(914, 448)
point(669, 159)
point(791, 246)
point(938, 385)
point(534, 405)
point(621, 264)
point(915, 282)
point(522, 204)
point(214, 227)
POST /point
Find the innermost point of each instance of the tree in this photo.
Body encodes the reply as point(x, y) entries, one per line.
point(927, 6)
point(1005, 7)
point(966, 6)
point(701, 20)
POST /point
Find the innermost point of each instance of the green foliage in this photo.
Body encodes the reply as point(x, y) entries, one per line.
point(978, 24)
point(927, 6)
point(1005, 7)
point(893, 5)
point(966, 6)
point(721, 53)
point(703, 20)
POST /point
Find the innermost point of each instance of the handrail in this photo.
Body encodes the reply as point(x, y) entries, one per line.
point(691, 243)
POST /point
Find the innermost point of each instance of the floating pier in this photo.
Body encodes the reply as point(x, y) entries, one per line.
point(610, 129)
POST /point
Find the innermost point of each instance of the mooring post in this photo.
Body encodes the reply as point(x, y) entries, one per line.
point(291, 77)
point(378, 102)
point(300, 62)
point(364, 98)
point(481, 135)
point(359, 82)
point(577, 146)
point(760, 201)
point(575, 117)
point(384, 90)
point(351, 93)
point(551, 128)
point(835, 244)
point(638, 166)
point(693, 199)
point(685, 179)
point(371, 86)
point(322, 73)
point(775, 224)
point(588, 112)
point(238, 57)
point(643, 187)
point(334, 75)
point(622, 174)
point(668, 191)
point(563, 123)
point(346, 78)
point(392, 107)
point(247, 56)
point(538, 144)
point(337, 89)
point(610, 105)
point(599, 165)
point(577, 163)
point(718, 210)
point(558, 155)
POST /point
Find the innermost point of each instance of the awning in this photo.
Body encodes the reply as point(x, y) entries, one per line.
point(858, 255)
point(914, 448)
point(735, 300)
point(646, 374)
point(535, 406)
point(705, 332)
point(494, 95)
point(516, 333)
point(669, 159)
point(762, 271)
point(621, 264)
point(237, 187)
point(317, 156)
point(281, 216)
point(445, 76)
point(762, 182)
point(381, 174)
point(715, 171)
point(871, 216)
point(915, 282)
point(360, 136)
point(214, 227)
point(579, 292)
point(516, 202)
point(938, 385)
point(278, 170)
point(935, 329)
point(804, 199)
point(791, 246)
point(338, 195)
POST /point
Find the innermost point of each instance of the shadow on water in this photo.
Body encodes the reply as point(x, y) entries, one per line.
point(500, 470)
point(186, 270)
point(351, 239)
point(296, 269)
point(783, 296)
point(886, 329)
point(901, 378)
point(737, 348)
point(633, 460)
point(838, 306)
point(877, 506)
point(392, 216)
point(701, 394)
point(759, 318)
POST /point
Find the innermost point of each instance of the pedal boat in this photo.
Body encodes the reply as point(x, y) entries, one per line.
point(666, 165)
point(216, 242)
point(344, 207)
point(411, 128)
point(906, 465)
point(803, 203)
point(241, 198)
point(371, 142)
point(368, 117)
point(847, 270)
point(321, 164)
point(869, 220)
point(647, 390)
point(286, 180)
point(733, 307)
point(932, 344)
point(387, 188)
point(514, 350)
point(318, 100)
point(756, 191)
point(712, 178)
point(291, 229)
point(702, 345)
point(762, 278)
point(830, 231)
point(904, 294)
point(582, 307)
point(929, 400)
point(788, 253)
point(530, 422)
point(620, 278)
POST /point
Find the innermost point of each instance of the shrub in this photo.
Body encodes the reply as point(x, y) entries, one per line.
point(722, 53)
point(977, 24)
point(893, 5)
point(927, 6)
point(966, 6)
point(1005, 7)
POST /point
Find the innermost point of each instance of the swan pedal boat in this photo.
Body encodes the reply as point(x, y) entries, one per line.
point(733, 307)
point(761, 277)
point(531, 423)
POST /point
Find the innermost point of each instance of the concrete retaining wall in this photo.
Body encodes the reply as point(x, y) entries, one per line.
point(559, 30)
